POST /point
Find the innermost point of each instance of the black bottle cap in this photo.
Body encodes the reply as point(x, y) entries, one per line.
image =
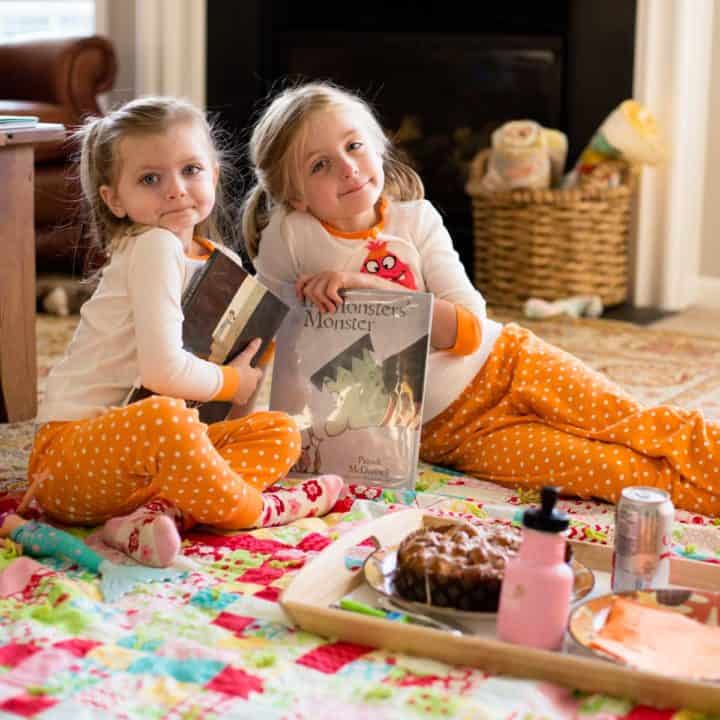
point(546, 518)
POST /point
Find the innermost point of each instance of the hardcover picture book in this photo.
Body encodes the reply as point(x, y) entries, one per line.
point(224, 308)
point(354, 381)
point(16, 122)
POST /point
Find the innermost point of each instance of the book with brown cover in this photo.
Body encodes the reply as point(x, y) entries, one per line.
point(224, 308)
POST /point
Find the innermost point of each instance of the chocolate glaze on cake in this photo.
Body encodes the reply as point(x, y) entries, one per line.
point(460, 566)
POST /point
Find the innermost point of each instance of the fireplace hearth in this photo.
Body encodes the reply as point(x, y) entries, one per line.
point(440, 80)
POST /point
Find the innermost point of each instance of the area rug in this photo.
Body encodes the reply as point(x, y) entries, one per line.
point(216, 643)
point(656, 366)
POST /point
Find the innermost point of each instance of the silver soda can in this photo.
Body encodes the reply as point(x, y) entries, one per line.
point(643, 539)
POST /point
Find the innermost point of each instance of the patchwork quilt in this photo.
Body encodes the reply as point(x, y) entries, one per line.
point(216, 643)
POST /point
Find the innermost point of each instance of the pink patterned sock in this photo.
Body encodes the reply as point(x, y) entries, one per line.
point(311, 498)
point(150, 535)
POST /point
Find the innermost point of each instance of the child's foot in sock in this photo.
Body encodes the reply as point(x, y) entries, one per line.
point(148, 535)
point(311, 498)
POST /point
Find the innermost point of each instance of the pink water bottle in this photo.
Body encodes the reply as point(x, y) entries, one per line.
point(536, 589)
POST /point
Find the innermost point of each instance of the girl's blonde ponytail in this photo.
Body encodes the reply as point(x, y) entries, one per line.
point(255, 216)
point(401, 181)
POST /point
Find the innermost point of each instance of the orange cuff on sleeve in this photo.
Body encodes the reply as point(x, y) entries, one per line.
point(468, 335)
point(231, 381)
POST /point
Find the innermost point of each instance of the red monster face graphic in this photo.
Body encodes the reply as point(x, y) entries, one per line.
point(380, 261)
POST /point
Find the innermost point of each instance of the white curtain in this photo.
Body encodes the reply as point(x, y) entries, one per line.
point(170, 50)
point(672, 78)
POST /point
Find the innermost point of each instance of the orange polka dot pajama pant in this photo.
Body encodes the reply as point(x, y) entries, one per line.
point(85, 472)
point(536, 415)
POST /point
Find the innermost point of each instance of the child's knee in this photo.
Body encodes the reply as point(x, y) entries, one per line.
point(287, 436)
point(283, 423)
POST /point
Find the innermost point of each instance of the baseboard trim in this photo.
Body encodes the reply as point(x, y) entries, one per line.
point(707, 291)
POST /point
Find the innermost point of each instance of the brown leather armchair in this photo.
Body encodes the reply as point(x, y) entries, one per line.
point(58, 80)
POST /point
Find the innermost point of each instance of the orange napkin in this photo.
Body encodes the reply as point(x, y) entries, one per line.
point(662, 641)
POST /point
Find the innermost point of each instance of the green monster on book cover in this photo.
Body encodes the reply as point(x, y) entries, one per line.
point(354, 381)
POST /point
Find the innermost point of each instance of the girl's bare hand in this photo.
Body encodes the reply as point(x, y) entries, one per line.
point(249, 376)
point(323, 289)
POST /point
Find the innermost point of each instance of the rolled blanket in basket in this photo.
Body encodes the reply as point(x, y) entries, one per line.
point(524, 155)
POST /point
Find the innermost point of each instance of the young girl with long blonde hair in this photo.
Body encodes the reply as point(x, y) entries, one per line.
point(150, 173)
point(332, 207)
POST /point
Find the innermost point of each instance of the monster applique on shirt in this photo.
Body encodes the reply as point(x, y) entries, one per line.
point(384, 263)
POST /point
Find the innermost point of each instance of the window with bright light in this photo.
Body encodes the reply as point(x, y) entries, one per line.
point(30, 19)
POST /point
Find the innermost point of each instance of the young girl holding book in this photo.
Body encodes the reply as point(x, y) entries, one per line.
point(150, 173)
point(334, 208)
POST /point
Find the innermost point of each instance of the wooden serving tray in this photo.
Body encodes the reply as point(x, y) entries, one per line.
point(325, 580)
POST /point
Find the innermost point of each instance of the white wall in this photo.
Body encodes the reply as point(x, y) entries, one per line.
point(673, 78)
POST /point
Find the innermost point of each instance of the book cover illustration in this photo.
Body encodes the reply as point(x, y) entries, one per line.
point(354, 381)
point(224, 308)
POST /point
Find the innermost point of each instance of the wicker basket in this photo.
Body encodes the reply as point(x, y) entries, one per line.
point(550, 244)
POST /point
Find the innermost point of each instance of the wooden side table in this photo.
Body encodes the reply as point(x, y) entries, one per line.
point(18, 361)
